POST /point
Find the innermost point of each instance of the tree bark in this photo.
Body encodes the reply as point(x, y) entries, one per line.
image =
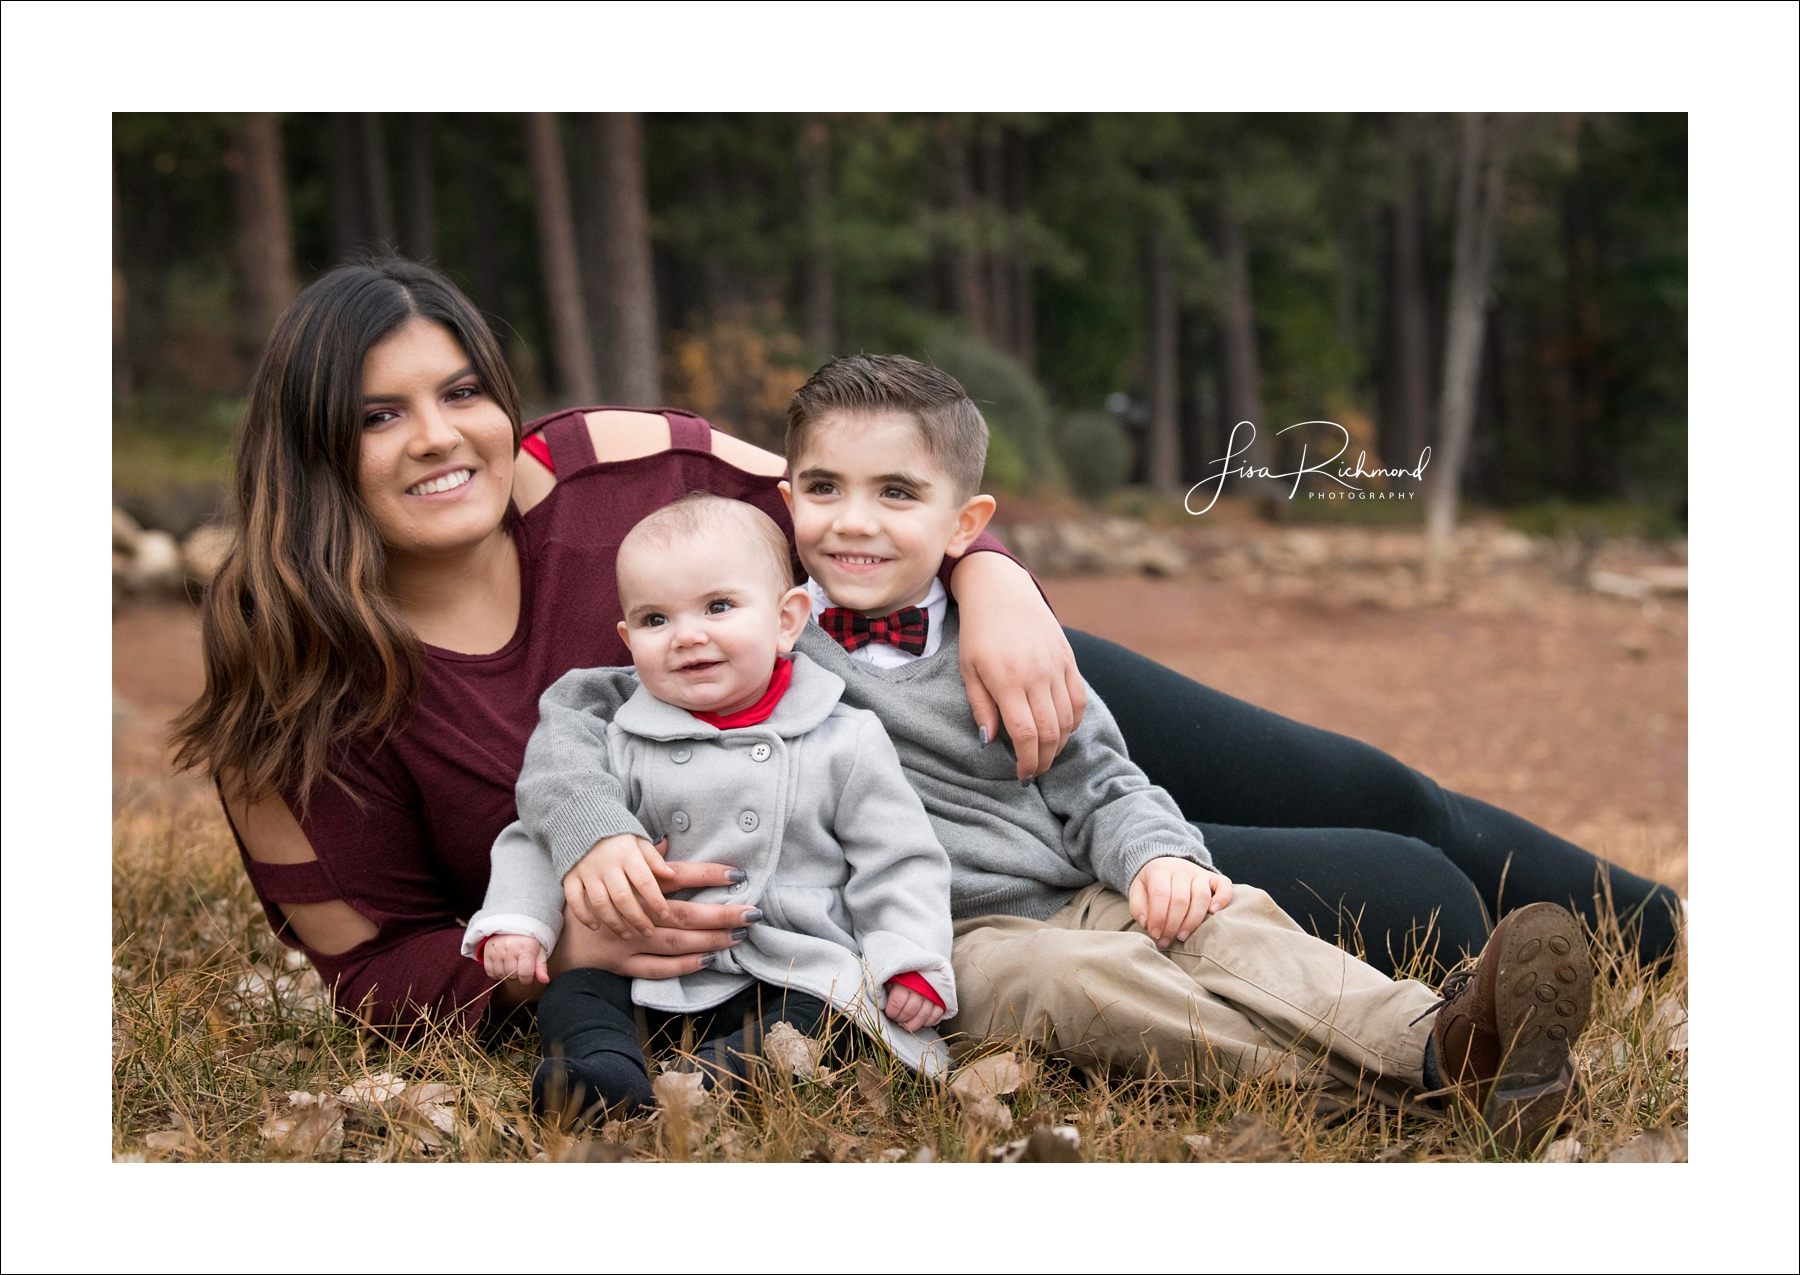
point(1024, 293)
point(818, 287)
point(347, 217)
point(997, 257)
point(376, 182)
point(1480, 187)
point(421, 189)
point(485, 274)
point(1243, 370)
point(1404, 438)
point(1165, 390)
point(573, 349)
point(121, 353)
point(264, 234)
point(629, 321)
point(967, 293)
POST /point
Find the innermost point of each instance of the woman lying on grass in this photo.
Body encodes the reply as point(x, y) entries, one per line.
point(407, 581)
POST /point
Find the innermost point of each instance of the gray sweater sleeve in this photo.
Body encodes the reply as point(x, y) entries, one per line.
point(567, 794)
point(898, 893)
point(524, 894)
point(1114, 819)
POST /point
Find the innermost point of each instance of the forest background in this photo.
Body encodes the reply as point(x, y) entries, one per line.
point(1116, 290)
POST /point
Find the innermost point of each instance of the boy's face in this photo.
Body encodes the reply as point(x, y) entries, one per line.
point(874, 513)
point(704, 622)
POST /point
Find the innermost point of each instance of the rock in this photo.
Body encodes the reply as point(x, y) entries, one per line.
point(125, 533)
point(155, 566)
point(1072, 546)
point(1667, 581)
point(1618, 585)
point(1654, 1146)
point(204, 551)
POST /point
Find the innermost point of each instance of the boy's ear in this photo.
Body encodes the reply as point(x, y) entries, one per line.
point(971, 521)
point(795, 609)
point(787, 495)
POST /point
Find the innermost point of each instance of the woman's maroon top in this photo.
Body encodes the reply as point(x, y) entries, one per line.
point(407, 845)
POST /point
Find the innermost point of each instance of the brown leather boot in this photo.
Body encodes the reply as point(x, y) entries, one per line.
point(1504, 1029)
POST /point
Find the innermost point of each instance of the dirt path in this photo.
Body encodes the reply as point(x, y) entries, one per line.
point(1569, 709)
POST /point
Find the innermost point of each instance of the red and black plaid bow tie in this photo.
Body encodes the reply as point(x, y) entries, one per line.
point(905, 628)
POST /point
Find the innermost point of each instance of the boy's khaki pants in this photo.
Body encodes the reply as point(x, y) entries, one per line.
point(1248, 994)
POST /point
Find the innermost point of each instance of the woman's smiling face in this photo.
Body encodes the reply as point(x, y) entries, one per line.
point(436, 467)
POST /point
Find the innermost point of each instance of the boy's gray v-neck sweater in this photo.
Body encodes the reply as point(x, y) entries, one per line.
point(1018, 849)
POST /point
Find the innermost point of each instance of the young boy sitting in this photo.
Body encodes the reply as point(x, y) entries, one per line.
point(743, 757)
point(1088, 915)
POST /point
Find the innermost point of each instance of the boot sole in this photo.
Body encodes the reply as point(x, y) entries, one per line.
point(1543, 992)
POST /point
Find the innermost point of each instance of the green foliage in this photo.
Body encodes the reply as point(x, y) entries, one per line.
point(1010, 399)
point(1095, 453)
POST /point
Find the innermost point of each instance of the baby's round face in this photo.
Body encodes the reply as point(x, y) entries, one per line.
point(705, 622)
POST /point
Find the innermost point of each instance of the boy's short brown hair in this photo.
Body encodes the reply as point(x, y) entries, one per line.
point(859, 384)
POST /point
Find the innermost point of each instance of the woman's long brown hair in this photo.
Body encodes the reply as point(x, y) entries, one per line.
point(304, 649)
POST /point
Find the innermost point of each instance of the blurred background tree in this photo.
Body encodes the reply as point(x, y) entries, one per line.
point(1116, 290)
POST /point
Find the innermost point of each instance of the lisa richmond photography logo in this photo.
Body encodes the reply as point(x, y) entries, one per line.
point(1353, 481)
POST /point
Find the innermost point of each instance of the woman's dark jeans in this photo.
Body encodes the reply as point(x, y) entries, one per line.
point(1350, 842)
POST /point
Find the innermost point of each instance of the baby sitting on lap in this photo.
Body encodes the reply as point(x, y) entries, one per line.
point(743, 754)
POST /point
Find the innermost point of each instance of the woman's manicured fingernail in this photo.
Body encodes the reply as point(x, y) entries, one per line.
point(709, 958)
point(752, 916)
point(737, 875)
point(738, 936)
point(983, 732)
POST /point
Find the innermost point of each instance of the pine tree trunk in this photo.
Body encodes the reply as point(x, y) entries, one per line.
point(421, 189)
point(574, 352)
point(265, 237)
point(1024, 293)
point(485, 276)
point(1243, 370)
point(348, 220)
point(121, 352)
point(1402, 443)
point(1002, 329)
point(630, 322)
point(379, 188)
point(1165, 392)
point(1480, 186)
point(968, 291)
point(818, 287)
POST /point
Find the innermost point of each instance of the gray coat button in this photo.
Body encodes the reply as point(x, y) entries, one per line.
point(679, 821)
point(760, 753)
point(680, 755)
point(747, 821)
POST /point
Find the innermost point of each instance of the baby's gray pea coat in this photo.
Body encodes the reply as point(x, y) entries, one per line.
point(813, 805)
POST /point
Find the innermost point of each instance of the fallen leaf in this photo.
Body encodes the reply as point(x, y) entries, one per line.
point(924, 1156)
point(873, 1085)
point(1250, 1139)
point(1046, 1144)
point(313, 1127)
point(680, 1093)
point(591, 1151)
point(979, 1086)
point(893, 1155)
point(1198, 1143)
point(1669, 1027)
point(129, 1157)
point(370, 1092)
point(793, 1054)
point(170, 1140)
point(1653, 1146)
point(1565, 1151)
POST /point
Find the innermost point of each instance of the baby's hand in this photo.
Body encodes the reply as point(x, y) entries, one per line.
point(1170, 898)
point(614, 884)
point(910, 1010)
point(517, 956)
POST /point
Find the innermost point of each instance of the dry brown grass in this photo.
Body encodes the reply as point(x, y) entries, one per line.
point(215, 1023)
